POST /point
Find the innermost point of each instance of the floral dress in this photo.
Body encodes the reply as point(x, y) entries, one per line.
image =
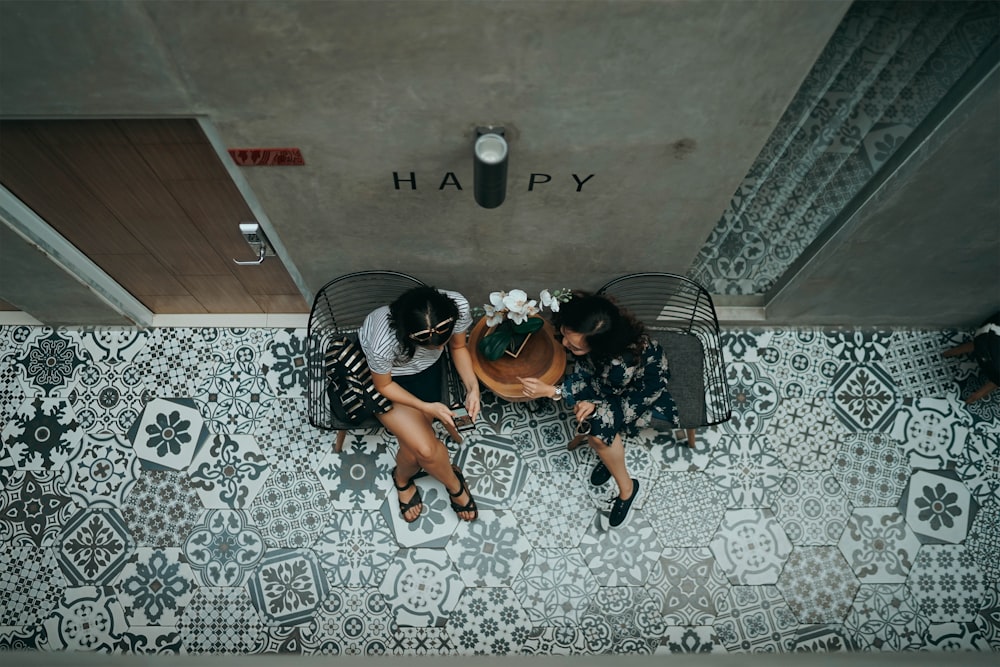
point(626, 392)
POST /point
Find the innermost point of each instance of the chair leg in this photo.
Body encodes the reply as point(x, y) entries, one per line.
point(980, 393)
point(340, 441)
point(453, 432)
point(964, 348)
point(690, 435)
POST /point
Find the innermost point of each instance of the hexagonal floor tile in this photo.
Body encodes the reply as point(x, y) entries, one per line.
point(167, 433)
point(94, 546)
point(811, 508)
point(359, 477)
point(103, 469)
point(689, 585)
point(224, 548)
point(87, 618)
point(422, 587)
point(437, 521)
point(805, 433)
point(756, 619)
point(751, 546)
point(488, 621)
point(288, 586)
point(744, 468)
point(228, 471)
point(946, 583)
point(291, 509)
point(490, 551)
point(42, 434)
point(50, 361)
point(493, 469)
point(554, 510)
point(937, 506)
point(818, 584)
point(879, 545)
point(155, 586)
point(622, 620)
point(355, 548)
point(622, 556)
point(885, 617)
point(555, 586)
point(864, 396)
point(871, 468)
point(684, 509)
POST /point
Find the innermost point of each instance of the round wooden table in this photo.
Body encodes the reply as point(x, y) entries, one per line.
point(542, 357)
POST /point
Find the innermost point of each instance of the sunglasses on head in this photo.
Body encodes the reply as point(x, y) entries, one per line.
point(442, 327)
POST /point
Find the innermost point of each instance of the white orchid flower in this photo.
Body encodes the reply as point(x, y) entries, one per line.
point(549, 301)
point(518, 306)
point(493, 317)
point(496, 300)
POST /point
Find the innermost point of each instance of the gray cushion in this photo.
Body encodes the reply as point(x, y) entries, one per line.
point(687, 375)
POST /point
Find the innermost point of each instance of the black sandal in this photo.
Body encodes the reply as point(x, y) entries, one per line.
point(462, 487)
point(414, 501)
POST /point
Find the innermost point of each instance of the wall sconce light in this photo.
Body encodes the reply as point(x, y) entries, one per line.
point(490, 170)
point(254, 236)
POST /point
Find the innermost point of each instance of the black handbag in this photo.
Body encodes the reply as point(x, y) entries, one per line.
point(353, 397)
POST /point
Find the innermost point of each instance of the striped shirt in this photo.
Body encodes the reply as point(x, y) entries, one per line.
point(378, 340)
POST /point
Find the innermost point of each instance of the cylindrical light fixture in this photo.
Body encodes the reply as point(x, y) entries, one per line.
point(490, 169)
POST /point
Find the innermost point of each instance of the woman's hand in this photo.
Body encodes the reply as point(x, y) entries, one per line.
point(472, 401)
point(583, 409)
point(439, 411)
point(535, 388)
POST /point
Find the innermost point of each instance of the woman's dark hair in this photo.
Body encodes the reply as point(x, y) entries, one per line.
point(610, 331)
point(417, 310)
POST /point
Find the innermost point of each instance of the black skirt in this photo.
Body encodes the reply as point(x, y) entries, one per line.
point(425, 385)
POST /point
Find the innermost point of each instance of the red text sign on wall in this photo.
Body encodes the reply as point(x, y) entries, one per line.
point(267, 157)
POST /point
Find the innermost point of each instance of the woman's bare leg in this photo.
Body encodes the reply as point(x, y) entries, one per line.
point(613, 458)
point(419, 448)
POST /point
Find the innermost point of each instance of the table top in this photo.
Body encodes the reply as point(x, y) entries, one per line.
point(542, 357)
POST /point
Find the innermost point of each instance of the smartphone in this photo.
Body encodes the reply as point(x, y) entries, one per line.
point(463, 422)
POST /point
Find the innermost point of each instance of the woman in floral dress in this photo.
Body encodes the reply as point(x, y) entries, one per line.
point(619, 385)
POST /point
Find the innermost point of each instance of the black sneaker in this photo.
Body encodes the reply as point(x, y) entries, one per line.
point(620, 508)
point(600, 474)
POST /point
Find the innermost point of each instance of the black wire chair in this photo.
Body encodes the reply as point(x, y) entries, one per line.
point(679, 313)
point(339, 309)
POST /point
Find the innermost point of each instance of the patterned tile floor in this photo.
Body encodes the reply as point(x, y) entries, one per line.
point(162, 492)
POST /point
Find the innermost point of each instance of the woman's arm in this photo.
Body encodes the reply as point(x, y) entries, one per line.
point(463, 364)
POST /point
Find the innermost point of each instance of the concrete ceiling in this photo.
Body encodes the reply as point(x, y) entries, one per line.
point(666, 103)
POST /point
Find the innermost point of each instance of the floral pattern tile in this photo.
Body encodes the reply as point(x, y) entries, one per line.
point(622, 620)
point(235, 397)
point(87, 618)
point(488, 621)
point(744, 468)
point(223, 548)
point(437, 521)
point(288, 586)
point(751, 547)
point(221, 620)
point(690, 639)
point(360, 476)
point(356, 548)
point(42, 434)
point(811, 507)
point(946, 583)
point(228, 471)
point(684, 509)
point(94, 546)
point(289, 441)
point(161, 508)
point(489, 552)
point(103, 470)
point(174, 362)
point(754, 398)
point(33, 507)
point(818, 584)
point(806, 433)
point(932, 431)
point(291, 509)
point(756, 619)
point(821, 638)
point(872, 469)
point(885, 617)
point(937, 506)
point(50, 361)
point(555, 587)
point(155, 586)
point(978, 464)
point(689, 586)
point(984, 539)
point(493, 470)
point(879, 545)
point(108, 400)
point(284, 363)
point(623, 556)
point(167, 433)
point(864, 397)
point(554, 510)
point(349, 622)
point(422, 587)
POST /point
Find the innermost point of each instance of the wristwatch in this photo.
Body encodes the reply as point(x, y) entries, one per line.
point(558, 395)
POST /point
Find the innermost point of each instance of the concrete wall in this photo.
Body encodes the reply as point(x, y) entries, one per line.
point(665, 103)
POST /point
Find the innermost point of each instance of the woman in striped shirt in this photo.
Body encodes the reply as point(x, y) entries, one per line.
point(404, 343)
